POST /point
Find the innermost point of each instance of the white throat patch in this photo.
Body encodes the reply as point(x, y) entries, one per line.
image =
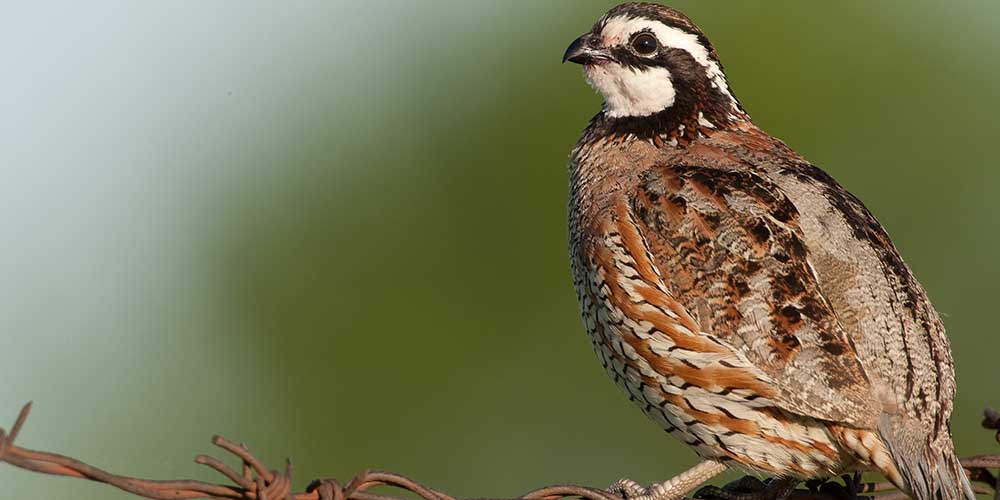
point(634, 92)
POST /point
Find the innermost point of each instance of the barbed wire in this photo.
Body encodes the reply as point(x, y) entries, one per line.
point(255, 481)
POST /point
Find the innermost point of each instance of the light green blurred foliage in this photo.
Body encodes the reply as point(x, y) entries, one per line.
point(337, 230)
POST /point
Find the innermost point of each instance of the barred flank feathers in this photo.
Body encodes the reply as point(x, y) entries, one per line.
point(929, 469)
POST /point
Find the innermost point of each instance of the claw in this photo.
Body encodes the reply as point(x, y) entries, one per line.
point(627, 488)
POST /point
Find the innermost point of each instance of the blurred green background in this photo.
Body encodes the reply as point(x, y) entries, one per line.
point(336, 230)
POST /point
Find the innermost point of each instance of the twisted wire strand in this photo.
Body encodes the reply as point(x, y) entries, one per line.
point(255, 481)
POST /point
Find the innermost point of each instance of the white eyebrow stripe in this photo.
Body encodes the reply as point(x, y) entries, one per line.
point(618, 29)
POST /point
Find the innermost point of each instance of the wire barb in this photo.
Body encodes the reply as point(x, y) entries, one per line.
point(255, 481)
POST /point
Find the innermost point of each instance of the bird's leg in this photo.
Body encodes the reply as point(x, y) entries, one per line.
point(775, 489)
point(675, 488)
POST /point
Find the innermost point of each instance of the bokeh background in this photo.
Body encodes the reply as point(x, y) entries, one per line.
point(336, 230)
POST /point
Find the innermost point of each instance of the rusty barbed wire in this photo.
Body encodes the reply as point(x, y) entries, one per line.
point(255, 481)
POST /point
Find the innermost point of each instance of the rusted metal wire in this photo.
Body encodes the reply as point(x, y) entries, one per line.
point(255, 481)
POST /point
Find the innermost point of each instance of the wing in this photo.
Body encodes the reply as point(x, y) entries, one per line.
point(730, 251)
point(899, 336)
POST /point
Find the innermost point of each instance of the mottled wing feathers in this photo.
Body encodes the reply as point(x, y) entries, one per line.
point(731, 254)
point(898, 308)
point(655, 326)
point(697, 386)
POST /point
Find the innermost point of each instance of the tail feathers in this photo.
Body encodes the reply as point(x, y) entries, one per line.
point(927, 469)
point(935, 478)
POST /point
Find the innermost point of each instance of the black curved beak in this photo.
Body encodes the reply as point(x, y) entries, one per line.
point(585, 50)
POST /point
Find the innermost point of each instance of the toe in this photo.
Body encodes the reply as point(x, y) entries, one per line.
point(627, 488)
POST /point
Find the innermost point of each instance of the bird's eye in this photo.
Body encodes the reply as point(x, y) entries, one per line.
point(645, 44)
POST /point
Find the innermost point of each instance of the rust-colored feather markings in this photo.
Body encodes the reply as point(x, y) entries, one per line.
point(747, 302)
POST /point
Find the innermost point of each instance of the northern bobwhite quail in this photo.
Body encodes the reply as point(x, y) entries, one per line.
point(747, 302)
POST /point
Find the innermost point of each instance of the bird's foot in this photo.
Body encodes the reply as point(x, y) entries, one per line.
point(750, 488)
point(852, 488)
point(854, 485)
point(628, 489)
point(674, 489)
point(631, 490)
